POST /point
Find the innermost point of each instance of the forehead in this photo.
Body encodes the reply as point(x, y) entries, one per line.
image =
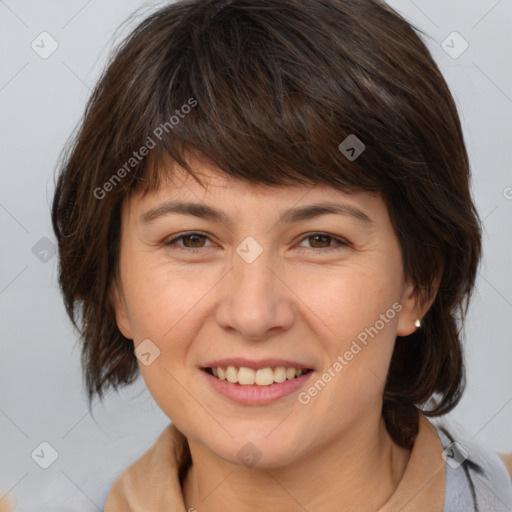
point(218, 188)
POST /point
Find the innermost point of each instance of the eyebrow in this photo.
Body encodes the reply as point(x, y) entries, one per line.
point(290, 216)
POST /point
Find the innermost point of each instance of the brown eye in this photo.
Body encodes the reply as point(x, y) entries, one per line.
point(195, 240)
point(191, 242)
point(321, 242)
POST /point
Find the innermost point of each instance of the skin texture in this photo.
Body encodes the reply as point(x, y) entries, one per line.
point(294, 302)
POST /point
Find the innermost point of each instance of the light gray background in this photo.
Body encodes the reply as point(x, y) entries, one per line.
point(41, 101)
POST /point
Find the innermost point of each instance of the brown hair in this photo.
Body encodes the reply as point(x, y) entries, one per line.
point(277, 86)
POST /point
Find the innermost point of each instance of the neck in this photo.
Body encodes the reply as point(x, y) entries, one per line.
point(341, 471)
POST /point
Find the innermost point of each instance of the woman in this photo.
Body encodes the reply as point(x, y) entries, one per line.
point(267, 213)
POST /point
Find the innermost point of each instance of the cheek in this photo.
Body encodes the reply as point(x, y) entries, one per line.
point(355, 312)
point(158, 297)
point(166, 306)
point(345, 301)
point(162, 310)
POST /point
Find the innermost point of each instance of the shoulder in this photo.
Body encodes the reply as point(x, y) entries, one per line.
point(123, 493)
point(474, 474)
point(507, 460)
point(153, 478)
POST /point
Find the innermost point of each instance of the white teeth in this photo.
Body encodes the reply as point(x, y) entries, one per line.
point(246, 376)
point(264, 376)
point(261, 377)
point(280, 374)
point(232, 374)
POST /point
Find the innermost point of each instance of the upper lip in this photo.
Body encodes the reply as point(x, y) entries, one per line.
point(255, 365)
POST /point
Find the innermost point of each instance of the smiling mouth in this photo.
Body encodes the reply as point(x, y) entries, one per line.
point(262, 377)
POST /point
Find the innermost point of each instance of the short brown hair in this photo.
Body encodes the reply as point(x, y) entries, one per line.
point(278, 85)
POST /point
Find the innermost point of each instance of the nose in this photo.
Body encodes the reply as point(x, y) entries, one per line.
point(256, 302)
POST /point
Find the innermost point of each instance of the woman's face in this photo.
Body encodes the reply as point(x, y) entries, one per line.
point(268, 277)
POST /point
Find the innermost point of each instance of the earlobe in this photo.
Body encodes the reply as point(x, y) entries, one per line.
point(409, 312)
point(414, 308)
point(119, 307)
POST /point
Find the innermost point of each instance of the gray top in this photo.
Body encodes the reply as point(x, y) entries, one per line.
point(476, 479)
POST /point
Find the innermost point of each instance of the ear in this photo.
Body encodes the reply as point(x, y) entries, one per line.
point(415, 305)
point(119, 306)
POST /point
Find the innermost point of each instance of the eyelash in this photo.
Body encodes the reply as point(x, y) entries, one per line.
point(342, 243)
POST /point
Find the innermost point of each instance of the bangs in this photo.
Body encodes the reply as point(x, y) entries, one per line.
point(264, 104)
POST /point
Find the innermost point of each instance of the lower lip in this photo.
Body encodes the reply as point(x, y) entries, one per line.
point(253, 394)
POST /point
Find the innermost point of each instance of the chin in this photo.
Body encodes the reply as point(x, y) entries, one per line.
point(260, 452)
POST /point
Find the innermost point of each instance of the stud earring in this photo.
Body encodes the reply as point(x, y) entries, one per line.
point(417, 323)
